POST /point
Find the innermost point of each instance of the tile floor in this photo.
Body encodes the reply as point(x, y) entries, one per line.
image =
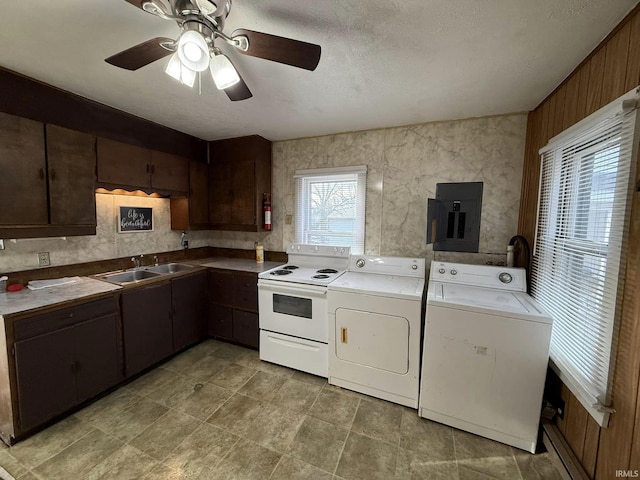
point(217, 412)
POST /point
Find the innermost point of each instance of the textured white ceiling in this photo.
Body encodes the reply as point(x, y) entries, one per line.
point(384, 62)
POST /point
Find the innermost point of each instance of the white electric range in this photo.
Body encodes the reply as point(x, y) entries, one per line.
point(292, 299)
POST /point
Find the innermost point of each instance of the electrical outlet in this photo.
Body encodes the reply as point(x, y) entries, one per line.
point(288, 219)
point(1, 244)
point(43, 259)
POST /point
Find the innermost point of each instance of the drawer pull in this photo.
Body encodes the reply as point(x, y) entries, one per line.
point(344, 335)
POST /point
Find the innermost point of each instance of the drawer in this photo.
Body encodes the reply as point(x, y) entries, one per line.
point(47, 322)
point(246, 299)
point(245, 328)
point(247, 283)
point(219, 279)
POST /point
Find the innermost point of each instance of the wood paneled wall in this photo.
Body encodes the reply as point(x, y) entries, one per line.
point(611, 70)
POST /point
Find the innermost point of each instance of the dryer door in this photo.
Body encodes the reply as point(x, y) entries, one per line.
point(374, 340)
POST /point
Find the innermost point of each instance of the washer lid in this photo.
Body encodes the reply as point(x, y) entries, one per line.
point(482, 297)
point(395, 286)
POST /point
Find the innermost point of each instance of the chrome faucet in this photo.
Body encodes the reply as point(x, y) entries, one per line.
point(137, 261)
point(155, 260)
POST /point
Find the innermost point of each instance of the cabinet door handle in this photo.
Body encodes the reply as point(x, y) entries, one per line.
point(41, 173)
point(153, 169)
point(148, 168)
point(344, 335)
point(52, 174)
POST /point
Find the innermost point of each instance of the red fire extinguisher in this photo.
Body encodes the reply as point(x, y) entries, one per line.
point(266, 202)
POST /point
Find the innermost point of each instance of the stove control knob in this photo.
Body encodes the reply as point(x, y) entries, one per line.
point(505, 277)
point(360, 263)
point(414, 267)
point(453, 272)
point(441, 271)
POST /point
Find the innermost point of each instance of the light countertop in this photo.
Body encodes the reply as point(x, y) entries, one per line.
point(240, 264)
point(25, 299)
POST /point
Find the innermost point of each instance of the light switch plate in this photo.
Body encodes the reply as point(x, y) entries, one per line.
point(43, 259)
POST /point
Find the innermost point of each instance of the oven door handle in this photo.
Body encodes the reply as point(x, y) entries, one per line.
point(283, 290)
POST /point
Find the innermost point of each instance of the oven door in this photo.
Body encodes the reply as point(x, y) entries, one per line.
point(293, 309)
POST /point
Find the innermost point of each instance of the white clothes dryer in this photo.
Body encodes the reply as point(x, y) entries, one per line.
point(375, 319)
point(485, 355)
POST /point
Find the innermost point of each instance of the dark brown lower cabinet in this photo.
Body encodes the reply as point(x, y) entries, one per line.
point(189, 297)
point(233, 309)
point(63, 358)
point(146, 326)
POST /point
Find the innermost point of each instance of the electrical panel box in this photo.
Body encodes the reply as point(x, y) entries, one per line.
point(453, 217)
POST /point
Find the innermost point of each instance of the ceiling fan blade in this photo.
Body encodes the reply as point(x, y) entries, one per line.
point(142, 54)
point(239, 91)
point(136, 3)
point(279, 49)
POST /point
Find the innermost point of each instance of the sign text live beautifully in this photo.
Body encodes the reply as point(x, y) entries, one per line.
point(135, 219)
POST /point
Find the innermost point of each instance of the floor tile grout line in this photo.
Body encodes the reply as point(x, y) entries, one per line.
point(344, 445)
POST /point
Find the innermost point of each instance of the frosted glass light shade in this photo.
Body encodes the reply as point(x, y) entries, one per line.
point(223, 72)
point(177, 70)
point(193, 51)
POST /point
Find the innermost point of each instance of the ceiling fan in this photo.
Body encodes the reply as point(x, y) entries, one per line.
point(201, 23)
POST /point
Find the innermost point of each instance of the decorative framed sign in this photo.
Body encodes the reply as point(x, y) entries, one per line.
point(135, 219)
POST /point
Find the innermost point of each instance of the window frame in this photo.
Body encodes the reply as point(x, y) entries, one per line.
point(561, 193)
point(304, 180)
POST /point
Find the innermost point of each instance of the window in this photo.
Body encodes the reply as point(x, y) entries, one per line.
point(582, 214)
point(330, 206)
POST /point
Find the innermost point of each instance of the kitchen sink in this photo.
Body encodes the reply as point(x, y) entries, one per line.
point(129, 276)
point(169, 268)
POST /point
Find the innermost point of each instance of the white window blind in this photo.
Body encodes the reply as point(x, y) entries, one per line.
point(330, 206)
point(584, 194)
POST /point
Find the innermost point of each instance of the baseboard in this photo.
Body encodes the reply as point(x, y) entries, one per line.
point(566, 461)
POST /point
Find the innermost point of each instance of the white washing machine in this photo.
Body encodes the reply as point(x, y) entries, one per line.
point(375, 319)
point(485, 355)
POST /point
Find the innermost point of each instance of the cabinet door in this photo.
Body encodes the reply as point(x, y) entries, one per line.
point(220, 192)
point(240, 173)
point(246, 328)
point(245, 291)
point(96, 354)
point(189, 296)
point(45, 376)
point(146, 325)
point(23, 193)
point(221, 321)
point(169, 172)
point(243, 208)
point(71, 160)
point(221, 288)
point(121, 164)
point(198, 193)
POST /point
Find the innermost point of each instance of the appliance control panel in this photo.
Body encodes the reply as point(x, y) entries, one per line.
point(490, 276)
point(410, 267)
point(318, 250)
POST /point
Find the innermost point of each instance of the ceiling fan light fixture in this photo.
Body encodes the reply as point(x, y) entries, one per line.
point(177, 70)
point(193, 51)
point(223, 72)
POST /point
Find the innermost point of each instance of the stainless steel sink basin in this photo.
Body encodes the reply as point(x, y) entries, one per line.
point(129, 276)
point(169, 268)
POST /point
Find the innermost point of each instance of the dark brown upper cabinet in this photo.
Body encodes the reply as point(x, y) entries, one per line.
point(71, 158)
point(239, 175)
point(23, 184)
point(50, 186)
point(121, 165)
point(192, 212)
